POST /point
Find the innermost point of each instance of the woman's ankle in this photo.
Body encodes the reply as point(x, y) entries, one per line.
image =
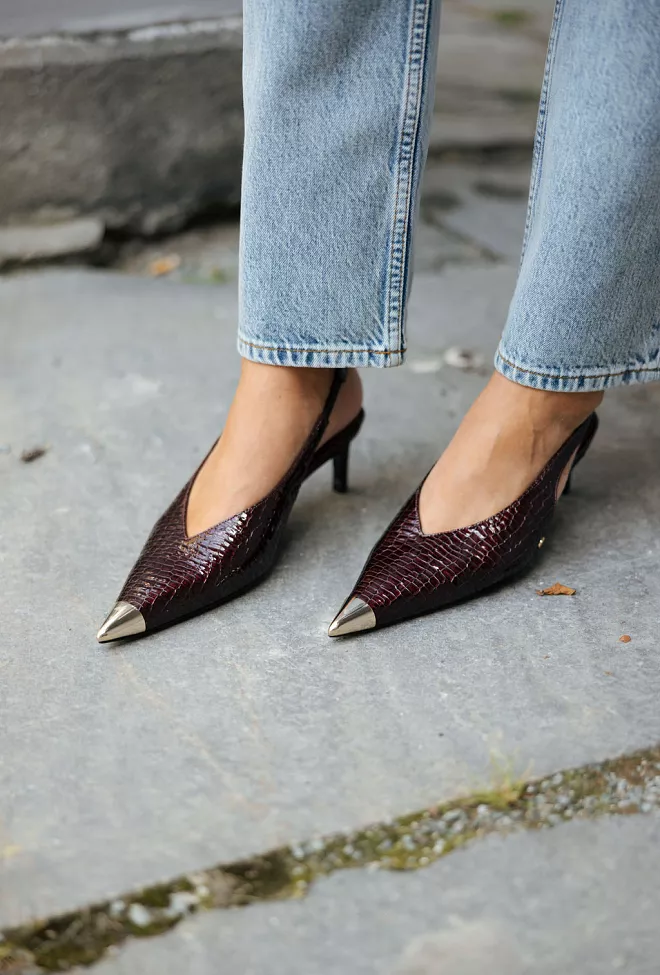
point(542, 418)
point(272, 414)
point(507, 436)
point(302, 390)
point(287, 381)
point(566, 410)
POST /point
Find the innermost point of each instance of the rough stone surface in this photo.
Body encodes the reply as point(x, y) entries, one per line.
point(140, 128)
point(482, 206)
point(579, 898)
point(490, 69)
point(247, 728)
point(21, 18)
point(198, 255)
point(496, 225)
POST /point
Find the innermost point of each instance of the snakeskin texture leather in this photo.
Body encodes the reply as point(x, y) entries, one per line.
point(177, 576)
point(409, 573)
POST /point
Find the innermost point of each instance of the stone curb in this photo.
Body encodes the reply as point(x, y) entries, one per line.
point(138, 128)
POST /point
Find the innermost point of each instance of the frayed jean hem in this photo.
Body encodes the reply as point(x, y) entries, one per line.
point(338, 358)
point(574, 380)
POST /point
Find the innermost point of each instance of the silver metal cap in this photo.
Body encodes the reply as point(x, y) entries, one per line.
point(355, 616)
point(124, 620)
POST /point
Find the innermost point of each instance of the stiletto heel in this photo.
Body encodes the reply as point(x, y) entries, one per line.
point(336, 450)
point(340, 471)
point(584, 447)
point(178, 575)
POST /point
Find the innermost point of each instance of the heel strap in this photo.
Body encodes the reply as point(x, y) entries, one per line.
point(300, 467)
point(576, 447)
point(338, 380)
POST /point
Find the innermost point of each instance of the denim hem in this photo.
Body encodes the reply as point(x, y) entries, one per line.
point(319, 358)
point(575, 380)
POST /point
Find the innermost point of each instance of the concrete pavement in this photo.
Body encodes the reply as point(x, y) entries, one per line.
point(531, 904)
point(246, 728)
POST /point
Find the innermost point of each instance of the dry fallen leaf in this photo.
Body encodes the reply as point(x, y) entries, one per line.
point(164, 265)
point(608, 673)
point(625, 638)
point(33, 454)
point(556, 590)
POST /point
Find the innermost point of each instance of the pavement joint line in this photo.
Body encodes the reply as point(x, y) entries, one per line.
point(627, 785)
point(483, 251)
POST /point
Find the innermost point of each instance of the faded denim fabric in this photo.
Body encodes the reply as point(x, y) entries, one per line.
point(586, 310)
point(338, 98)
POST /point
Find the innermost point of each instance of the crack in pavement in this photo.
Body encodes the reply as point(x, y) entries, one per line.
point(626, 785)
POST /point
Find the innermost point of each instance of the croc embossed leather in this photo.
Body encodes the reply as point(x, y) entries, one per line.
point(178, 576)
point(410, 573)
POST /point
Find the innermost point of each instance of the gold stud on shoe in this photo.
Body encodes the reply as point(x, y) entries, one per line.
point(541, 541)
point(354, 617)
point(124, 620)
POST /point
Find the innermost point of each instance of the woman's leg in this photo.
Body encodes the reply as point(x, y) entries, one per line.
point(585, 315)
point(586, 311)
point(337, 106)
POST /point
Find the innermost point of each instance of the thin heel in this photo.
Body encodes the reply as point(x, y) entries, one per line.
point(340, 471)
point(581, 452)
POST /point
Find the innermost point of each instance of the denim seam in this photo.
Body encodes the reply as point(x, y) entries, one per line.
point(539, 140)
point(408, 139)
point(582, 375)
point(293, 348)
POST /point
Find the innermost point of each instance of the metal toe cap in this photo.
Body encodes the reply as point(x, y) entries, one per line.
point(124, 620)
point(355, 616)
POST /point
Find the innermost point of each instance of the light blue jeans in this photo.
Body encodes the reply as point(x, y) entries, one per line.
point(338, 96)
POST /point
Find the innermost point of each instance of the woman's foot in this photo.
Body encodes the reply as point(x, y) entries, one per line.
point(505, 440)
point(482, 515)
point(272, 413)
point(277, 422)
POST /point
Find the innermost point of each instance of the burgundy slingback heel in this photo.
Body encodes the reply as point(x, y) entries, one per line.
point(177, 576)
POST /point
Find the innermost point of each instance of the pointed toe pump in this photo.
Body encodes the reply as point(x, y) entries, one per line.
point(410, 573)
point(178, 576)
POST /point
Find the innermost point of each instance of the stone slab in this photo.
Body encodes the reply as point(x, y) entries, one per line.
point(484, 206)
point(495, 225)
point(247, 727)
point(579, 898)
point(21, 18)
point(490, 69)
point(139, 128)
point(41, 242)
point(499, 62)
point(199, 254)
